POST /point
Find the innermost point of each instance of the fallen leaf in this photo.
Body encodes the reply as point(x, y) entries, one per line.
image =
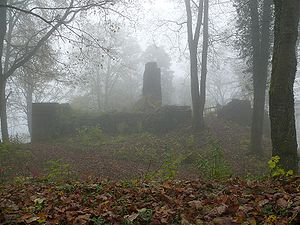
point(220, 209)
point(263, 202)
point(282, 203)
point(32, 219)
point(131, 217)
point(196, 204)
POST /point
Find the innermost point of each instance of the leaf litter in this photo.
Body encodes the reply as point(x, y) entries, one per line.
point(234, 201)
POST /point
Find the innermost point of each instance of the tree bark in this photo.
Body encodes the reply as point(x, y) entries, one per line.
point(204, 63)
point(3, 27)
point(261, 42)
point(283, 131)
point(196, 115)
point(29, 101)
point(3, 113)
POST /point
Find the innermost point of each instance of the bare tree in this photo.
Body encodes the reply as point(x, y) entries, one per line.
point(193, 41)
point(107, 75)
point(204, 62)
point(198, 97)
point(54, 17)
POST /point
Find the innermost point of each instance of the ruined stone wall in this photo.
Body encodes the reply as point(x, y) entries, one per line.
point(46, 120)
point(240, 112)
point(51, 121)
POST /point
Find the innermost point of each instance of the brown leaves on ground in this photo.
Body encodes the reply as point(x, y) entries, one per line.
point(178, 202)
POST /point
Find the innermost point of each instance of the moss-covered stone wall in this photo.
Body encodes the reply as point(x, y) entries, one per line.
point(52, 121)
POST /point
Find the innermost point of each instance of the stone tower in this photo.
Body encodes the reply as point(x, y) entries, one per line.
point(152, 83)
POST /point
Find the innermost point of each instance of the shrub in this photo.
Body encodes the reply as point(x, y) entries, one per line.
point(211, 164)
point(168, 169)
point(59, 171)
point(90, 136)
point(276, 170)
point(13, 158)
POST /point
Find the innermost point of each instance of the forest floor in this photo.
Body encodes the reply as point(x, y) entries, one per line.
point(176, 178)
point(222, 149)
point(175, 202)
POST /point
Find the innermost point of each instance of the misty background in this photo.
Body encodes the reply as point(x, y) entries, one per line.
point(97, 62)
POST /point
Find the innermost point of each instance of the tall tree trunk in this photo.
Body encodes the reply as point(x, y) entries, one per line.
point(204, 63)
point(107, 83)
point(261, 53)
point(98, 91)
point(3, 16)
point(3, 113)
point(283, 131)
point(106, 104)
point(193, 40)
point(196, 114)
point(256, 125)
point(4, 128)
point(29, 101)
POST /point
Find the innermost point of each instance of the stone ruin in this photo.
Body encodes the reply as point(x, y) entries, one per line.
point(152, 83)
point(43, 120)
point(46, 120)
point(52, 120)
point(240, 112)
point(151, 94)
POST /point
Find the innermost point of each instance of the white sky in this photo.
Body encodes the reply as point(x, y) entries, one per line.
point(153, 28)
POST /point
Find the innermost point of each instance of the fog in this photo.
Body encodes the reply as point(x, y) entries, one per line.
point(146, 23)
point(149, 112)
point(94, 60)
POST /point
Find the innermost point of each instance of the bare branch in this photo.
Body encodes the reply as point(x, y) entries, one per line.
point(27, 12)
point(19, 62)
point(84, 7)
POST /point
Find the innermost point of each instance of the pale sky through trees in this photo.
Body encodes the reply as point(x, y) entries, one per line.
point(161, 22)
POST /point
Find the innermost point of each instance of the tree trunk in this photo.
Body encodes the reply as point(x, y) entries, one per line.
point(3, 113)
point(2, 31)
point(106, 104)
point(193, 40)
point(196, 115)
point(4, 129)
point(29, 102)
point(98, 90)
point(261, 53)
point(283, 131)
point(107, 85)
point(257, 122)
point(204, 64)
